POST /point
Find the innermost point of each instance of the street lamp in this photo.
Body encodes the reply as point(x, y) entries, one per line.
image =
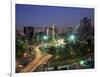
point(72, 37)
point(82, 62)
point(45, 37)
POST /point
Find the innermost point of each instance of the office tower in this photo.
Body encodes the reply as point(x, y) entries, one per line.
point(29, 32)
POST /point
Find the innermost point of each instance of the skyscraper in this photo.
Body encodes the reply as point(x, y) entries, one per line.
point(85, 26)
point(29, 32)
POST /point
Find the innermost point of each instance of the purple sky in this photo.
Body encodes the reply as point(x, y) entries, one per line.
point(32, 15)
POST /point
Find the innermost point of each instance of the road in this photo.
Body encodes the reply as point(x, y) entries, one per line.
point(39, 59)
point(72, 61)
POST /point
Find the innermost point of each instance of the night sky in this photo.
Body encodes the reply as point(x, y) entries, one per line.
point(33, 15)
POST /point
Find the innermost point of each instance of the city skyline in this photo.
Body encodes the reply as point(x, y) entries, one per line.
point(54, 38)
point(44, 16)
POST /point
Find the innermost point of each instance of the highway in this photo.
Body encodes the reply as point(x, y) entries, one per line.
point(39, 59)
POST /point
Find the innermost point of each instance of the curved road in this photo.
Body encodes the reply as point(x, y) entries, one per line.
point(39, 59)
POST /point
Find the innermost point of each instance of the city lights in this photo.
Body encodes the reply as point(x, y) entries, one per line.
point(72, 37)
point(82, 62)
point(45, 37)
point(51, 44)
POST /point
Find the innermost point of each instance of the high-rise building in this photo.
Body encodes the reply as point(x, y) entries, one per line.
point(69, 29)
point(49, 30)
point(85, 26)
point(46, 30)
point(29, 32)
point(39, 29)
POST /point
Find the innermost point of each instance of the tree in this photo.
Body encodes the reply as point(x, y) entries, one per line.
point(52, 50)
point(21, 47)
